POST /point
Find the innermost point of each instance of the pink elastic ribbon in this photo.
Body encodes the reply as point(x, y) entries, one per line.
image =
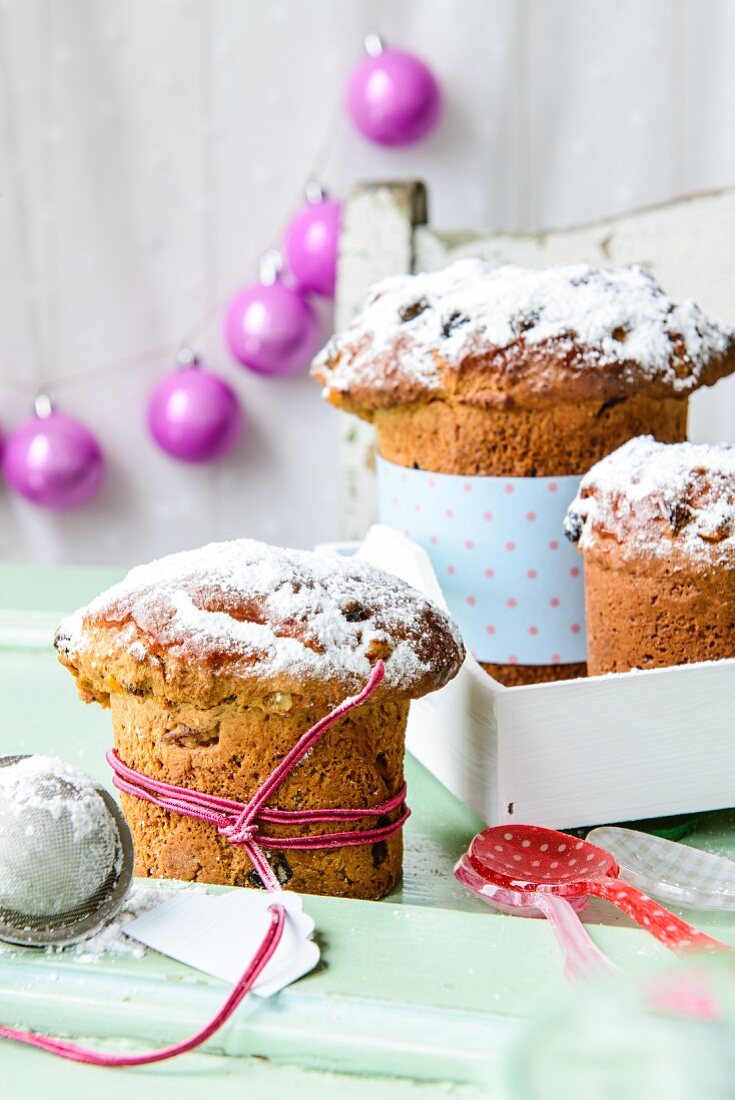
point(240, 825)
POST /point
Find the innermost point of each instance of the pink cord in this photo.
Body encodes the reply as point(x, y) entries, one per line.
point(239, 824)
point(76, 1053)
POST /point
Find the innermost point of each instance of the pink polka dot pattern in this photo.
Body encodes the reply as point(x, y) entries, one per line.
point(510, 578)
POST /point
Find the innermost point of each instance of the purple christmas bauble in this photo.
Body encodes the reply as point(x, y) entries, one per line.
point(194, 415)
point(271, 329)
point(54, 461)
point(393, 98)
point(311, 244)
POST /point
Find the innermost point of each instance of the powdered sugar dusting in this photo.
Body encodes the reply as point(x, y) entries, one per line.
point(435, 320)
point(58, 842)
point(651, 497)
point(112, 939)
point(274, 611)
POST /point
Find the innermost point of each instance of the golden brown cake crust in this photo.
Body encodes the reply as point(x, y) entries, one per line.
point(247, 621)
point(562, 439)
point(650, 502)
point(652, 615)
point(511, 337)
point(551, 442)
point(517, 675)
point(656, 527)
point(230, 750)
point(215, 662)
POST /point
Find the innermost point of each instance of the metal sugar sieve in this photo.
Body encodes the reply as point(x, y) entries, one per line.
point(66, 854)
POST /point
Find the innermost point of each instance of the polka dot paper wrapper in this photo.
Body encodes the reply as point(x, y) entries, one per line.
point(510, 578)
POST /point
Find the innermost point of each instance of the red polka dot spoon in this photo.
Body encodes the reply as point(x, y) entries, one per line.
point(582, 957)
point(528, 858)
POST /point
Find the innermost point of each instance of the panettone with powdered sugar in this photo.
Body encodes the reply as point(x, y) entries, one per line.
point(215, 661)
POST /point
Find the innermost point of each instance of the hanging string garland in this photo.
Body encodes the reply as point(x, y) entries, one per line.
point(270, 327)
point(53, 460)
point(193, 414)
point(393, 97)
point(311, 242)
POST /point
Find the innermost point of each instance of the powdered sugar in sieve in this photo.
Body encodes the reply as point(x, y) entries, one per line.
point(66, 856)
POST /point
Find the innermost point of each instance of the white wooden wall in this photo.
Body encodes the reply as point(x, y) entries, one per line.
point(151, 149)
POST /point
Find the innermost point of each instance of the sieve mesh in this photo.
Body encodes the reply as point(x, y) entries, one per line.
point(66, 856)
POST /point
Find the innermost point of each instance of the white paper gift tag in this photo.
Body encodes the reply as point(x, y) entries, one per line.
point(220, 933)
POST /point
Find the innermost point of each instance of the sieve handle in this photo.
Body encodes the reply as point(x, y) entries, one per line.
point(251, 974)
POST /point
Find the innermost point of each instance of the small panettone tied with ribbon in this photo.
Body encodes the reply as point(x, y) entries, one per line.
point(492, 391)
point(655, 525)
point(215, 663)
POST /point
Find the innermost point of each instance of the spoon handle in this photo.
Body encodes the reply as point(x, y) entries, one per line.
point(582, 956)
point(671, 930)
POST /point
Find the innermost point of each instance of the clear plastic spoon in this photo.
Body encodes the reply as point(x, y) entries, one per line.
point(582, 956)
point(668, 870)
point(528, 858)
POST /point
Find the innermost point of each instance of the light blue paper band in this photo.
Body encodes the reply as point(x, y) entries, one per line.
point(511, 579)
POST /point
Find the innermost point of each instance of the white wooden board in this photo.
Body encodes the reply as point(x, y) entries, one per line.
point(577, 752)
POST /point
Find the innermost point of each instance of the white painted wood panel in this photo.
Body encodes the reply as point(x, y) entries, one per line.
point(575, 752)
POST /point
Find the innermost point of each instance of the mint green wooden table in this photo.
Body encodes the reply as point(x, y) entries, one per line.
point(418, 995)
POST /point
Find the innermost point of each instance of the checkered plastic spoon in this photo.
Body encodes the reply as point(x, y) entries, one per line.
point(528, 858)
point(668, 870)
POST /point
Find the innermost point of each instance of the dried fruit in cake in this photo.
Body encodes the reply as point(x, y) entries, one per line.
point(513, 372)
point(507, 336)
point(215, 661)
point(655, 524)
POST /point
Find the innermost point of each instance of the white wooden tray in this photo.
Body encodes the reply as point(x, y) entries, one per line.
point(576, 752)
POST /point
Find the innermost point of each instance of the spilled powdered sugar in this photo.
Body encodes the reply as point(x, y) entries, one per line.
point(53, 822)
point(651, 496)
point(111, 940)
point(618, 315)
point(288, 611)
